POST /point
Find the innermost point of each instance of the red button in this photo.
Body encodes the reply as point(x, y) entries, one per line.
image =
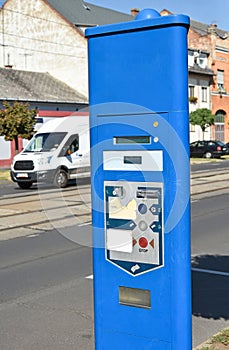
point(143, 242)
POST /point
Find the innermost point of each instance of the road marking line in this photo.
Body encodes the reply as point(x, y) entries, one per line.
point(85, 224)
point(33, 235)
point(212, 272)
point(90, 277)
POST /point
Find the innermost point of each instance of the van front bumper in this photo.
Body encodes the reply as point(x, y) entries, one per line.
point(35, 176)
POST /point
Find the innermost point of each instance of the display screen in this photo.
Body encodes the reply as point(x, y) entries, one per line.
point(132, 139)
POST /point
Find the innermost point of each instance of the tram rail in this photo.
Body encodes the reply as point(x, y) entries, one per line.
point(43, 209)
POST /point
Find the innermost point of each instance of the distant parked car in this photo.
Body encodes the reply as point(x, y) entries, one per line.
point(208, 149)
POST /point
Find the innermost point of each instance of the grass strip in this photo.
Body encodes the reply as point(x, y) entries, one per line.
point(4, 175)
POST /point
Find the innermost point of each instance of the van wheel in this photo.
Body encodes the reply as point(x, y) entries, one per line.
point(25, 185)
point(61, 178)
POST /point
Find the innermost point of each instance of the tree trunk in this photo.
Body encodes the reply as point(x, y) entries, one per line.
point(16, 145)
point(203, 131)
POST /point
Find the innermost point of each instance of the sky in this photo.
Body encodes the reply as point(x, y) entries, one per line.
point(205, 11)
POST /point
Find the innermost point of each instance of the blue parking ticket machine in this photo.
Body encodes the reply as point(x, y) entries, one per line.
point(139, 120)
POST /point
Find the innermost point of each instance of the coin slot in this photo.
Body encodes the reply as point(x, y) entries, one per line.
point(132, 160)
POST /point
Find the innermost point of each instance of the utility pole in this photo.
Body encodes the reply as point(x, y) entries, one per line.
point(3, 38)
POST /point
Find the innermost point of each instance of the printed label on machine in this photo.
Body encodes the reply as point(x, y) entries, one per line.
point(134, 225)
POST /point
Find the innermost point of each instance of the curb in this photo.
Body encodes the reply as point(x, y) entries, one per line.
point(208, 343)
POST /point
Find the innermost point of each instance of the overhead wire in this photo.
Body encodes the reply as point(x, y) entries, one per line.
point(61, 44)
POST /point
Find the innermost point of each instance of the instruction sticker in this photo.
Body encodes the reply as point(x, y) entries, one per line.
point(134, 225)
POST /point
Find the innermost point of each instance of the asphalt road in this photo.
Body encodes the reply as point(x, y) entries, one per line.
point(46, 299)
point(35, 262)
point(9, 187)
point(46, 295)
point(207, 165)
point(210, 266)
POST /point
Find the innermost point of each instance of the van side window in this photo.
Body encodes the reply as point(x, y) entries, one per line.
point(74, 146)
point(71, 146)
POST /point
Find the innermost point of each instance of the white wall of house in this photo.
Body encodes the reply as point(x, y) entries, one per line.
point(199, 88)
point(197, 134)
point(4, 149)
point(36, 38)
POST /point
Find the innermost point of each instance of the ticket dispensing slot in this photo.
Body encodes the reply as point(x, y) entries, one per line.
point(134, 297)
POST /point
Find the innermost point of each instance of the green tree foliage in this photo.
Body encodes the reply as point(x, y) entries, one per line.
point(202, 117)
point(17, 121)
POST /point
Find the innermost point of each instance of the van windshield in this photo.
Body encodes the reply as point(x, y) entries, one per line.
point(45, 142)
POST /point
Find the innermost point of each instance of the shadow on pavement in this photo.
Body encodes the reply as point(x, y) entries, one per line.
point(211, 286)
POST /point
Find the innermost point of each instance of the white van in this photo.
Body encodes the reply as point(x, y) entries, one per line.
point(57, 153)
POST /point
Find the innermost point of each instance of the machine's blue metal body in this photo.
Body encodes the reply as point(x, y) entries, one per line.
point(138, 79)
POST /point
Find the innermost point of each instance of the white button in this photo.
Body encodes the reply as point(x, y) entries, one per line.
point(143, 225)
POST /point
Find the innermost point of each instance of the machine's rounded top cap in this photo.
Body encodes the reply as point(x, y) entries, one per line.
point(147, 14)
point(147, 18)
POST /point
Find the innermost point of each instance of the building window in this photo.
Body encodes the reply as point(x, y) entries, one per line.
point(220, 80)
point(219, 132)
point(203, 60)
point(198, 58)
point(191, 91)
point(204, 91)
point(219, 125)
point(219, 118)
